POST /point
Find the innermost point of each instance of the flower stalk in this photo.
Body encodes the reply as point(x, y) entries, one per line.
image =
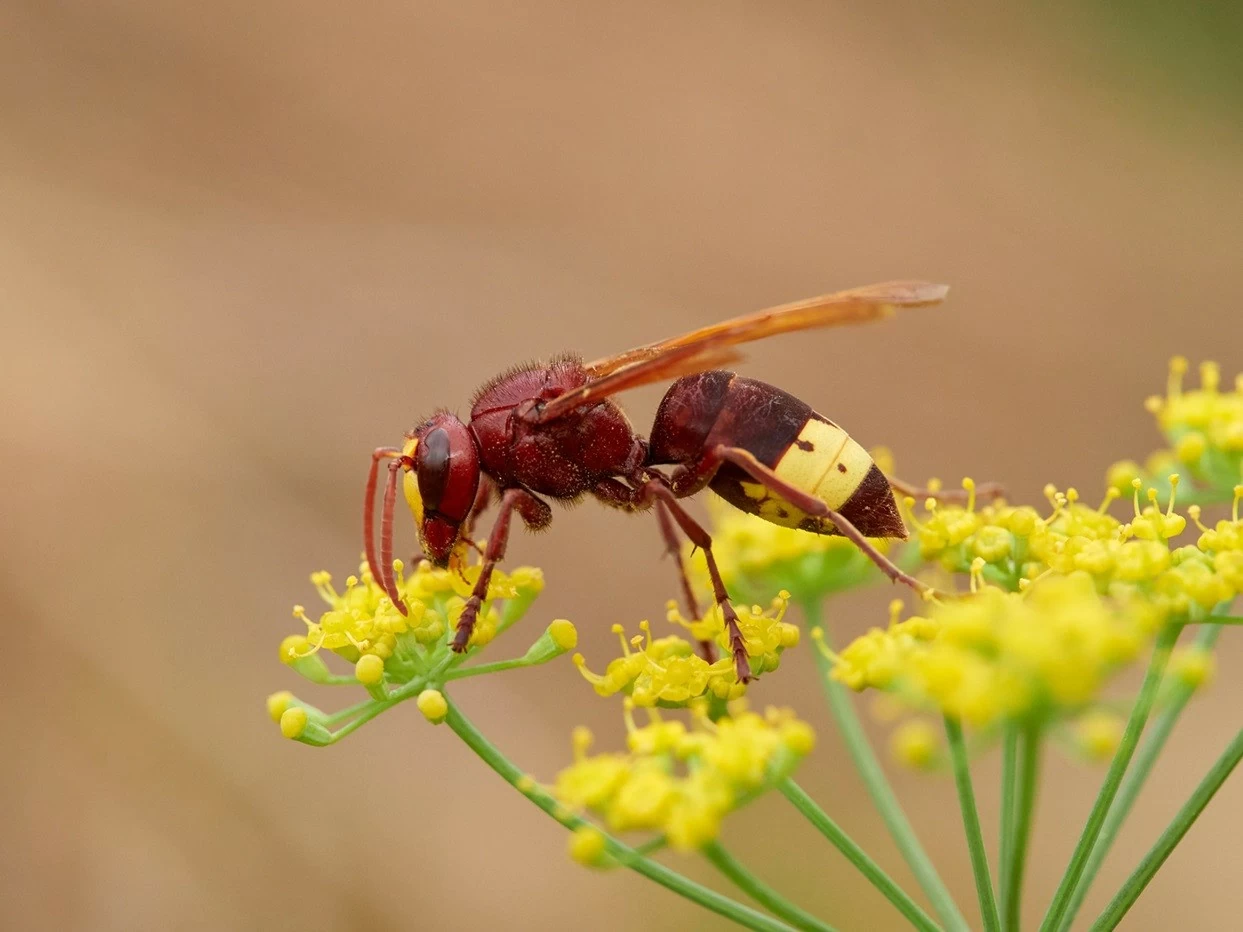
point(669, 879)
point(971, 823)
point(1026, 775)
point(731, 868)
point(1137, 775)
point(1173, 834)
point(857, 856)
point(1113, 779)
point(874, 779)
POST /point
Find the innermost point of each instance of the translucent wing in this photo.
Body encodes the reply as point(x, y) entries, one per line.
point(711, 347)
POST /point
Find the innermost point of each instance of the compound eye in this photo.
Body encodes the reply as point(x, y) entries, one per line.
point(433, 467)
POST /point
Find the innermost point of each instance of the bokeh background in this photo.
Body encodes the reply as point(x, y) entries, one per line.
point(241, 244)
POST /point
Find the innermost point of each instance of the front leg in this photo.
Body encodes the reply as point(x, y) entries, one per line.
point(536, 515)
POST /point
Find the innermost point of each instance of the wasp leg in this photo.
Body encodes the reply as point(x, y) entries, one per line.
point(536, 515)
point(373, 564)
point(813, 506)
point(989, 490)
point(483, 498)
point(652, 489)
point(706, 648)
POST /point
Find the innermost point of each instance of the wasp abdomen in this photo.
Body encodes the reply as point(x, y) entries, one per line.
point(804, 448)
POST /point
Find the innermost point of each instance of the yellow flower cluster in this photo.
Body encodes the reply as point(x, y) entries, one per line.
point(1009, 546)
point(669, 671)
point(997, 655)
point(682, 781)
point(362, 625)
point(398, 657)
point(1203, 427)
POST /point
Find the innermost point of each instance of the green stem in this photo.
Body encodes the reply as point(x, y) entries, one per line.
point(761, 892)
point(1215, 620)
point(1009, 788)
point(370, 712)
point(1170, 838)
point(971, 822)
point(1137, 775)
point(496, 666)
point(1024, 808)
point(624, 854)
point(1117, 768)
point(877, 784)
point(348, 712)
point(856, 855)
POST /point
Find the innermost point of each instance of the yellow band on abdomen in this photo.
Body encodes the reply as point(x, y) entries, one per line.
point(823, 462)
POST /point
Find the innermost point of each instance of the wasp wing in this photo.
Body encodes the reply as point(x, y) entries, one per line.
point(710, 347)
point(871, 302)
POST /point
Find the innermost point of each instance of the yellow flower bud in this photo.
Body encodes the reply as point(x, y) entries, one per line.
point(293, 722)
point(278, 703)
point(433, 705)
point(1193, 667)
point(563, 634)
point(586, 845)
point(1122, 474)
point(1190, 447)
point(915, 744)
point(798, 737)
point(293, 647)
point(369, 670)
point(1099, 734)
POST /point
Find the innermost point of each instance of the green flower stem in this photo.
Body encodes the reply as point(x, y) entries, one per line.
point(1170, 838)
point(971, 822)
point(1117, 768)
point(1137, 775)
point(1014, 853)
point(496, 666)
point(761, 892)
point(370, 709)
point(1217, 620)
point(670, 879)
point(1009, 791)
point(856, 855)
point(877, 784)
point(348, 712)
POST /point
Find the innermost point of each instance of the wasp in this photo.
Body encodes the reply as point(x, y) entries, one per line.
point(552, 432)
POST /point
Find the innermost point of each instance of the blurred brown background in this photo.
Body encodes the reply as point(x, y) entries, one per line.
point(240, 245)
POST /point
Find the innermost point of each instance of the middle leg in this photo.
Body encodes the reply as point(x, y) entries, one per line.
point(652, 490)
point(535, 515)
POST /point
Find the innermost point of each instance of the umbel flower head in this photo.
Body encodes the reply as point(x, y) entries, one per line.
point(395, 656)
point(1042, 654)
point(1203, 429)
point(682, 781)
point(1010, 546)
point(670, 671)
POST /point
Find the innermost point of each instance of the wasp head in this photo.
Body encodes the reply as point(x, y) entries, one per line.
point(441, 484)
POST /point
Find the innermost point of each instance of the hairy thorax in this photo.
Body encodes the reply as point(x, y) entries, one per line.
point(562, 459)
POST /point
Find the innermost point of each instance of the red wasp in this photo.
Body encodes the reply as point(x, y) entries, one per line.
point(551, 431)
